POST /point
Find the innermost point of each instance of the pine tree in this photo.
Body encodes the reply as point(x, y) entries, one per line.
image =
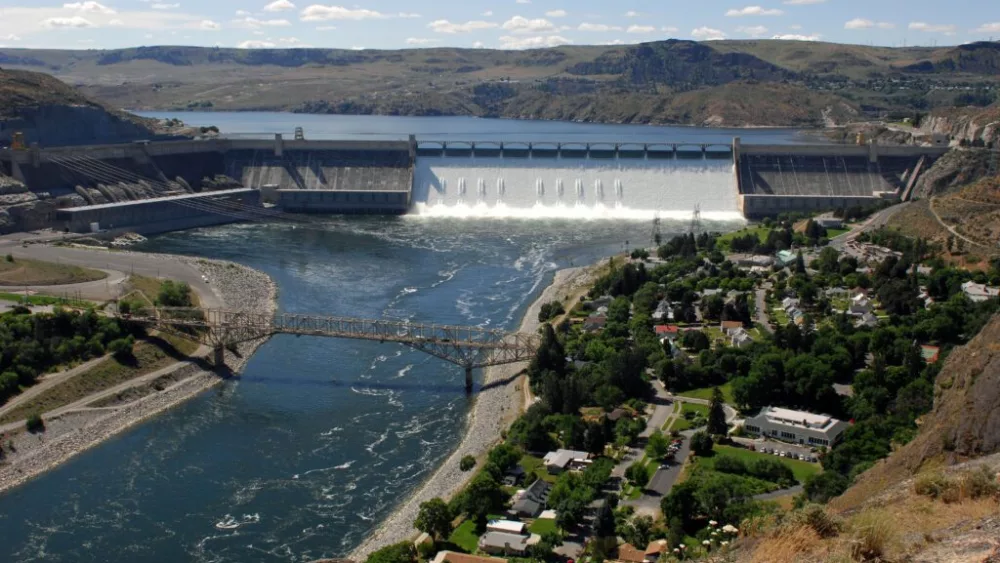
point(717, 414)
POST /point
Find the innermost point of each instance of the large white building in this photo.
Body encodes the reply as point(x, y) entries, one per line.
point(798, 427)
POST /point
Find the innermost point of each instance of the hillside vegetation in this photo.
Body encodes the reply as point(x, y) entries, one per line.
point(713, 83)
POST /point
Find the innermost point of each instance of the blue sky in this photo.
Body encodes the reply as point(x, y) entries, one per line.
point(509, 24)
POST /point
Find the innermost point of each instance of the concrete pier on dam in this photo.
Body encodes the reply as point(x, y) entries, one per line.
point(160, 186)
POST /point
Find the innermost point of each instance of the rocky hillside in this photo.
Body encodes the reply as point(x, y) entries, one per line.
point(969, 124)
point(790, 83)
point(956, 169)
point(52, 113)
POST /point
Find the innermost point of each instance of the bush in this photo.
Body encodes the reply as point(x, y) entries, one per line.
point(814, 516)
point(637, 475)
point(35, 423)
point(9, 258)
point(467, 463)
point(122, 347)
point(980, 482)
point(873, 535)
point(701, 444)
point(933, 485)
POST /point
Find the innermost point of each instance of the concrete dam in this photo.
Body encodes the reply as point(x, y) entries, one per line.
point(153, 187)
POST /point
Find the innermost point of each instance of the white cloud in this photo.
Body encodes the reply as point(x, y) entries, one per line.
point(421, 41)
point(76, 22)
point(326, 28)
point(279, 6)
point(523, 1)
point(10, 37)
point(478, 44)
point(640, 29)
point(707, 34)
point(859, 23)
point(946, 29)
point(408, 15)
point(614, 42)
point(803, 2)
point(795, 27)
point(250, 22)
point(256, 44)
point(631, 14)
point(318, 12)
point(752, 30)
point(522, 25)
point(988, 28)
point(513, 42)
point(445, 26)
point(90, 7)
point(797, 37)
point(599, 27)
point(669, 29)
point(116, 23)
point(487, 13)
point(556, 13)
point(753, 11)
point(357, 48)
point(209, 25)
point(242, 13)
point(161, 6)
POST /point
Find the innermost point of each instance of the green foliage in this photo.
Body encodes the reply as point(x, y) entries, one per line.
point(467, 463)
point(717, 414)
point(174, 294)
point(434, 518)
point(637, 474)
point(824, 486)
point(35, 424)
point(122, 347)
point(402, 552)
point(481, 496)
point(504, 456)
point(9, 258)
point(702, 444)
point(549, 311)
point(657, 446)
point(766, 469)
point(637, 531)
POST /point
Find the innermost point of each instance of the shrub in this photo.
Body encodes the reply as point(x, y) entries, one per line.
point(467, 463)
point(122, 347)
point(35, 423)
point(701, 444)
point(980, 482)
point(9, 258)
point(873, 534)
point(636, 474)
point(933, 485)
point(814, 516)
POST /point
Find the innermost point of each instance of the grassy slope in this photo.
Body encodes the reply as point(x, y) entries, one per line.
point(705, 393)
point(24, 271)
point(801, 469)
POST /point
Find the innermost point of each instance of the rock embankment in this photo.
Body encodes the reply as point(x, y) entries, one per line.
point(74, 431)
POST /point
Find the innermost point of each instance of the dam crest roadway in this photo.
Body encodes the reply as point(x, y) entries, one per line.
point(468, 347)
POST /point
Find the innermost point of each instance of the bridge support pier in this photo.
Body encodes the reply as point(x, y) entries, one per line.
point(468, 379)
point(219, 356)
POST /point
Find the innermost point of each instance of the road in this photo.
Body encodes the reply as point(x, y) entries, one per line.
point(876, 221)
point(48, 381)
point(762, 318)
point(779, 493)
point(118, 265)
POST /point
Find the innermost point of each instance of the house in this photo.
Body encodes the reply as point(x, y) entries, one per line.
point(529, 503)
point(786, 257)
point(740, 338)
point(655, 550)
point(513, 476)
point(979, 292)
point(860, 304)
point(727, 327)
point(868, 320)
point(594, 323)
point(507, 544)
point(930, 354)
point(836, 292)
point(669, 332)
point(561, 460)
point(789, 303)
point(664, 311)
point(796, 315)
point(507, 527)
point(829, 222)
point(709, 292)
point(628, 553)
point(455, 557)
point(796, 426)
point(616, 414)
point(752, 260)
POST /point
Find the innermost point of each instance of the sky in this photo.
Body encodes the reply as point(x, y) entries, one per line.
point(503, 24)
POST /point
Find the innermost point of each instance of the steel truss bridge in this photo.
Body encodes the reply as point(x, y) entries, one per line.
point(469, 347)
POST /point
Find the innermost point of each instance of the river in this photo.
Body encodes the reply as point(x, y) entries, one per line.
point(319, 439)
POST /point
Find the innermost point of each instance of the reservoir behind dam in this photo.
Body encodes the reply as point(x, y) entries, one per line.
point(320, 438)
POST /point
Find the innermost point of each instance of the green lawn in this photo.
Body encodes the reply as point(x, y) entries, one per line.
point(464, 536)
point(691, 407)
point(542, 526)
point(682, 423)
point(43, 300)
point(831, 233)
point(705, 393)
point(532, 464)
point(801, 469)
point(760, 230)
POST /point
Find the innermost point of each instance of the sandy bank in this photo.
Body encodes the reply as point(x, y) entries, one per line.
point(493, 412)
point(74, 431)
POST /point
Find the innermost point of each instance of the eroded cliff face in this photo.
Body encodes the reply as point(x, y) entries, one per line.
point(63, 125)
point(970, 124)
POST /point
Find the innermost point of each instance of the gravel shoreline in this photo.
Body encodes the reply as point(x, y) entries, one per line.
point(73, 432)
point(492, 413)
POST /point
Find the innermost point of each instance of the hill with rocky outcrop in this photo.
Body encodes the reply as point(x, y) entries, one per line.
point(51, 113)
point(725, 83)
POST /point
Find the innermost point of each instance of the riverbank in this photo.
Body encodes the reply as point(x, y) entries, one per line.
point(496, 406)
point(90, 423)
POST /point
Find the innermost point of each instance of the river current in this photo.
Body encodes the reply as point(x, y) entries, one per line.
point(318, 440)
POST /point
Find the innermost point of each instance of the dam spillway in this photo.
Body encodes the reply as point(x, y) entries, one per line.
point(131, 186)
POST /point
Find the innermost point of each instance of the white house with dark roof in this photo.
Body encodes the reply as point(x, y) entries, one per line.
point(798, 427)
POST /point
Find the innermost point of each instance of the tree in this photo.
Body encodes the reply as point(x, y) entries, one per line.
point(680, 503)
point(717, 414)
point(800, 264)
point(35, 424)
point(402, 552)
point(505, 456)
point(482, 495)
point(434, 518)
point(174, 294)
point(675, 532)
point(657, 446)
point(638, 531)
point(604, 523)
point(822, 487)
point(695, 340)
point(467, 463)
point(702, 444)
point(637, 475)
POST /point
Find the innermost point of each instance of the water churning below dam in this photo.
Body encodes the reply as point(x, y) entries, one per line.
point(575, 188)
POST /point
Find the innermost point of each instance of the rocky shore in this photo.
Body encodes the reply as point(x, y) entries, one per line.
point(75, 431)
point(494, 410)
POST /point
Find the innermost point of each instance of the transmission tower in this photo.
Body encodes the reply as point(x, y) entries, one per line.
point(656, 237)
point(696, 219)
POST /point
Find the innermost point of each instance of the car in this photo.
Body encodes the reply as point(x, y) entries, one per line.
point(774, 452)
point(782, 454)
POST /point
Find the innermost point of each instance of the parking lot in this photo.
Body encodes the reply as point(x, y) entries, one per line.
point(780, 449)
